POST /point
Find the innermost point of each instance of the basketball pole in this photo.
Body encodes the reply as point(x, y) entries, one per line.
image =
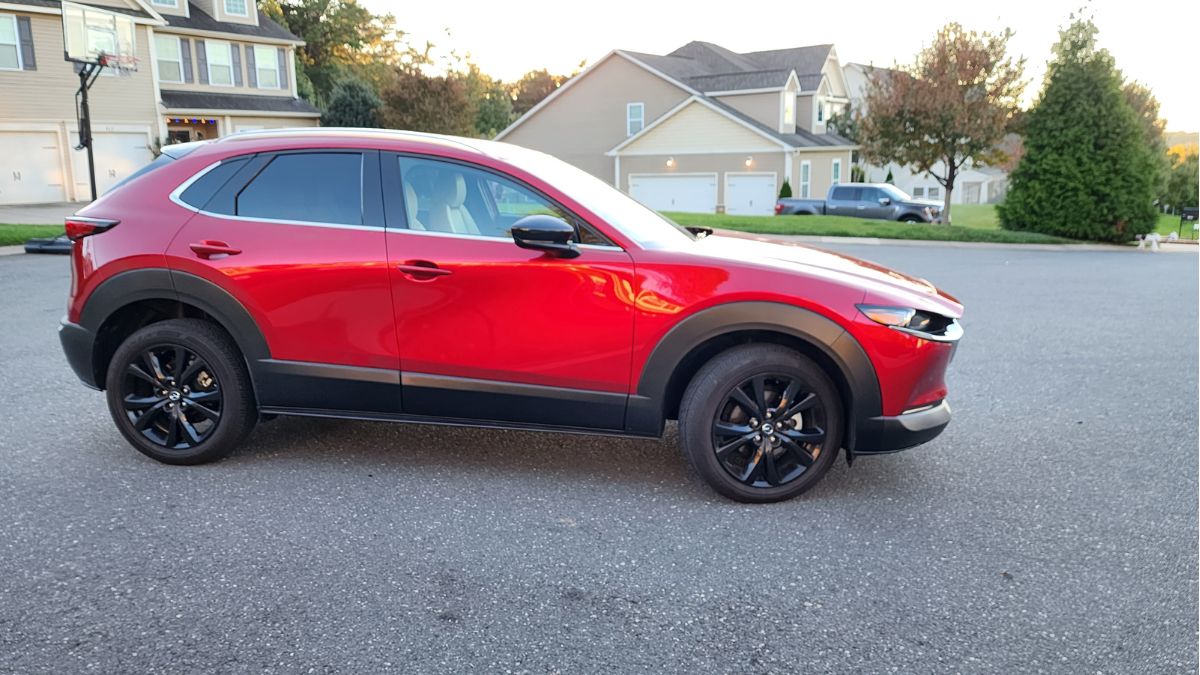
point(87, 76)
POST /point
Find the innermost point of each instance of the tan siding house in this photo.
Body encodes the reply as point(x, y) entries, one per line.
point(131, 115)
point(701, 129)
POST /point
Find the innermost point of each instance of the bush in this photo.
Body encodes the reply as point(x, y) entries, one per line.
point(786, 190)
point(352, 103)
point(890, 180)
point(1087, 172)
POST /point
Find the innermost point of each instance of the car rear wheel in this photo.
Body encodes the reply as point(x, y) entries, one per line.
point(179, 392)
point(911, 219)
point(761, 423)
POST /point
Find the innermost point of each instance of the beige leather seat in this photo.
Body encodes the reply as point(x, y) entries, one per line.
point(411, 206)
point(447, 213)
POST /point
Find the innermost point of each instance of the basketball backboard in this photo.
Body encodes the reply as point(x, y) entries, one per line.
point(92, 35)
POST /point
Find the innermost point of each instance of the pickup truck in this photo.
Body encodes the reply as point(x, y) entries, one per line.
point(876, 201)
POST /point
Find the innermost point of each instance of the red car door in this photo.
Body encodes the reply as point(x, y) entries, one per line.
point(490, 331)
point(297, 239)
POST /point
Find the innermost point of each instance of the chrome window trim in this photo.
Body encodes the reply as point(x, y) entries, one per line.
point(481, 237)
point(175, 197)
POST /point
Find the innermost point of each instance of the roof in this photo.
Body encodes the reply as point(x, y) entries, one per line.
point(55, 4)
point(198, 100)
point(800, 139)
point(199, 20)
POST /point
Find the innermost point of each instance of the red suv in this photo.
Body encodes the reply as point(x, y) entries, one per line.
point(416, 278)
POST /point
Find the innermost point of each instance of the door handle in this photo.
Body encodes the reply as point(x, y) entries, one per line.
point(207, 249)
point(422, 270)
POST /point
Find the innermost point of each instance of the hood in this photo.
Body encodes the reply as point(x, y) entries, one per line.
point(925, 203)
point(752, 248)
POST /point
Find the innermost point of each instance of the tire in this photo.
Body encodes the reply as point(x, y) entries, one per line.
point(911, 219)
point(797, 459)
point(168, 414)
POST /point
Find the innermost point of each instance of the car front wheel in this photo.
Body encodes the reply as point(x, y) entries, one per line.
point(761, 423)
point(179, 392)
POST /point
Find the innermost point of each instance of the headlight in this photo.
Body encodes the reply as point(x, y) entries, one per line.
point(925, 325)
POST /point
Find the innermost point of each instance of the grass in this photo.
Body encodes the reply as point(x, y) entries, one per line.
point(12, 235)
point(972, 222)
point(1168, 223)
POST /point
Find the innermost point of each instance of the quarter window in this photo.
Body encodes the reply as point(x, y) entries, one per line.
point(266, 67)
point(236, 7)
point(10, 46)
point(170, 58)
point(635, 118)
point(456, 199)
point(220, 62)
point(318, 187)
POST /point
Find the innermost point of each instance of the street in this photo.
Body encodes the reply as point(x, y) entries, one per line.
point(1051, 528)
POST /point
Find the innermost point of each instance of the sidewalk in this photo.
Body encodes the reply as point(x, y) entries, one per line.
point(39, 214)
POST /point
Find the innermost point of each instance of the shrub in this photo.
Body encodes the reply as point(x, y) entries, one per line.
point(353, 103)
point(786, 190)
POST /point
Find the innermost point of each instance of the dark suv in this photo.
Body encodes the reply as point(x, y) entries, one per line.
point(407, 277)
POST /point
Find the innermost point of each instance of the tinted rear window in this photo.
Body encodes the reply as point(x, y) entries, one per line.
point(319, 187)
point(203, 188)
point(843, 193)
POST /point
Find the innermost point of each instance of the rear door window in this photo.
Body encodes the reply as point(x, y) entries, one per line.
point(316, 187)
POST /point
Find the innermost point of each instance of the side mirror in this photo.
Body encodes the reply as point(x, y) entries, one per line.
point(546, 233)
point(885, 201)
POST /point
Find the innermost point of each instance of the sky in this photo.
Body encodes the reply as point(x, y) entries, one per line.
point(1152, 40)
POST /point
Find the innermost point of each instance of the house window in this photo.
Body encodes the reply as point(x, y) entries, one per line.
point(165, 3)
point(266, 67)
point(170, 58)
point(934, 193)
point(820, 111)
point(236, 7)
point(805, 178)
point(837, 172)
point(789, 108)
point(635, 118)
point(220, 63)
point(10, 46)
point(919, 192)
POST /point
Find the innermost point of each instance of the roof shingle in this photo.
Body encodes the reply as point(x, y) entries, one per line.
point(199, 20)
point(199, 100)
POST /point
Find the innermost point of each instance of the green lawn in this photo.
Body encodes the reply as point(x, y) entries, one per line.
point(1168, 224)
point(974, 222)
point(11, 235)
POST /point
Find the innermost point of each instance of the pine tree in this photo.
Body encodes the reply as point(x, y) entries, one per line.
point(786, 190)
point(1087, 172)
point(353, 103)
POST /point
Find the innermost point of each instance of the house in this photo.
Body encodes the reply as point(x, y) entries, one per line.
point(206, 68)
point(974, 184)
point(701, 129)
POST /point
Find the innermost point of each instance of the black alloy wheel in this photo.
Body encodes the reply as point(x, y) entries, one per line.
point(172, 397)
point(769, 430)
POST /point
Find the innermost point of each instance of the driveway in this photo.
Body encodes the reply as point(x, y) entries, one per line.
point(38, 214)
point(1052, 528)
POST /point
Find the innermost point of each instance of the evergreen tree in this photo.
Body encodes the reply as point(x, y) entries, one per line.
point(786, 190)
point(1087, 172)
point(353, 103)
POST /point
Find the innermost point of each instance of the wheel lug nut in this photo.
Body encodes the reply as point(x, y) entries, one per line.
point(757, 438)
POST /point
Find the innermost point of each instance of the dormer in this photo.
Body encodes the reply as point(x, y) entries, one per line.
point(230, 11)
point(787, 105)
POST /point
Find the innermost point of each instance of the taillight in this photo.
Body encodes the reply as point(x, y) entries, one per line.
point(778, 208)
point(79, 227)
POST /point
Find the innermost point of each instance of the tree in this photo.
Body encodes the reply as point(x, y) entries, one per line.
point(951, 106)
point(353, 103)
point(890, 180)
point(532, 88)
point(1088, 171)
point(419, 102)
point(785, 191)
point(492, 102)
point(1183, 183)
point(1145, 108)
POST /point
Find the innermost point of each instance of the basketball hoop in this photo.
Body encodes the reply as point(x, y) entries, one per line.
point(123, 65)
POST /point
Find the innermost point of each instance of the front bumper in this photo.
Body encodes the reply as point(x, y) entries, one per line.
point(891, 434)
point(77, 344)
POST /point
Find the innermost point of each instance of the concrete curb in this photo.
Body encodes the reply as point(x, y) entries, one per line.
point(12, 250)
point(930, 243)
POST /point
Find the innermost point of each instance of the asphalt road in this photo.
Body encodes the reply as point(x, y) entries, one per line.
point(1052, 528)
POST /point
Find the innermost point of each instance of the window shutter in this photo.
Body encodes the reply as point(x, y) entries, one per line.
point(25, 37)
point(185, 51)
point(201, 62)
point(236, 51)
point(251, 69)
point(283, 71)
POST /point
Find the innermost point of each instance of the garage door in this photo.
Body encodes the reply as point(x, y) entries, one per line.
point(30, 172)
point(667, 192)
point(750, 194)
point(117, 154)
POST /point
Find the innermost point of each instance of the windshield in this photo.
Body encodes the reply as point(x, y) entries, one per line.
point(641, 224)
point(896, 193)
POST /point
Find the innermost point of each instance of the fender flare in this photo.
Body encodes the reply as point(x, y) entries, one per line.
point(857, 376)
